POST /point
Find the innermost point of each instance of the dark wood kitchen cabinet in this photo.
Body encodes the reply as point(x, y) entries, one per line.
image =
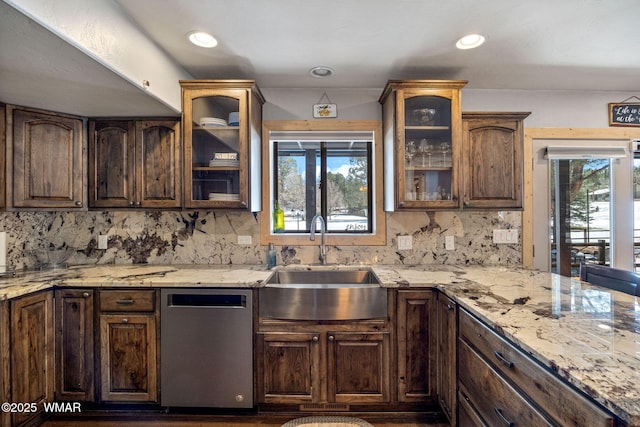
point(222, 127)
point(47, 160)
point(521, 391)
point(447, 336)
point(32, 361)
point(128, 325)
point(135, 163)
point(74, 344)
point(493, 160)
point(339, 364)
point(422, 135)
point(416, 344)
point(3, 148)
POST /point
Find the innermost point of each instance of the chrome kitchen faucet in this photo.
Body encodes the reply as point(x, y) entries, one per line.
point(312, 237)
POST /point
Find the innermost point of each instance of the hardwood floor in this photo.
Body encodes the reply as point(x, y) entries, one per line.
point(181, 420)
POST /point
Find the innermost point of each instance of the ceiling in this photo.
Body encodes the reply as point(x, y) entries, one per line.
point(582, 45)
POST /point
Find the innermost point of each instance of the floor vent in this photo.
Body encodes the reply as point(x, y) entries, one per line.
point(324, 407)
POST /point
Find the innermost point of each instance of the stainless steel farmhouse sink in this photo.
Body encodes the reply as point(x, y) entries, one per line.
point(323, 295)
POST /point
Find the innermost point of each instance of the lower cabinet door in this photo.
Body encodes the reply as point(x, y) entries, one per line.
point(31, 354)
point(74, 344)
point(128, 361)
point(358, 366)
point(289, 367)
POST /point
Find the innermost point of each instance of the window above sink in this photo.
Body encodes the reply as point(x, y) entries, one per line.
point(304, 155)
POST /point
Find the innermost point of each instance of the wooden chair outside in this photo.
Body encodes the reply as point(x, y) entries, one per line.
point(612, 278)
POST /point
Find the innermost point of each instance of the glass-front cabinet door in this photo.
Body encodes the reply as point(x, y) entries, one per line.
point(426, 120)
point(222, 124)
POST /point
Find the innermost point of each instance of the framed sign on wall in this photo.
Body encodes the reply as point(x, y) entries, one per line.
point(625, 113)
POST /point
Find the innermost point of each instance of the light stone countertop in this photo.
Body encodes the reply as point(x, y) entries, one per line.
point(588, 335)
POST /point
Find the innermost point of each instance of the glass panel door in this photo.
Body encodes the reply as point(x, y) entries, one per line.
point(636, 211)
point(580, 213)
point(428, 150)
point(215, 153)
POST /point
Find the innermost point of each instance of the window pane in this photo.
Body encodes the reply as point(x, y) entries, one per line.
point(580, 219)
point(347, 186)
point(297, 182)
point(345, 202)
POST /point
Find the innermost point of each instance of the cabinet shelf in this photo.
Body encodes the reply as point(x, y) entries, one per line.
point(215, 168)
point(428, 168)
point(411, 127)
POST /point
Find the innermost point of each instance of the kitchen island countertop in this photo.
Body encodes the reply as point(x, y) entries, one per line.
point(587, 335)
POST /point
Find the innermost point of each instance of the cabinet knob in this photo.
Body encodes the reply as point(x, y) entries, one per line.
point(449, 307)
point(78, 203)
point(125, 320)
point(314, 339)
point(85, 294)
point(131, 203)
point(137, 204)
point(243, 203)
point(331, 338)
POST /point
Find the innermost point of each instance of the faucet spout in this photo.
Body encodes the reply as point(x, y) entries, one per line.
point(312, 237)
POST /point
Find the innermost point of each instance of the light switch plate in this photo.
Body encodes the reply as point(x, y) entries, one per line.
point(509, 236)
point(103, 241)
point(405, 243)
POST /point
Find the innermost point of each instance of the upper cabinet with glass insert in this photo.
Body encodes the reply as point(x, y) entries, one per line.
point(422, 139)
point(222, 122)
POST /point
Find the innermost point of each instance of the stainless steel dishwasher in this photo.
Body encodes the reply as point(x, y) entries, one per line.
point(206, 357)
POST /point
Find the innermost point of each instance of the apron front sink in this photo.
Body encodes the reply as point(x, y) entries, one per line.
point(323, 295)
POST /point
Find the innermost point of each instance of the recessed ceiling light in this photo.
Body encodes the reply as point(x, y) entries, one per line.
point(321, 72)
point(202, 39)
point(470, 41)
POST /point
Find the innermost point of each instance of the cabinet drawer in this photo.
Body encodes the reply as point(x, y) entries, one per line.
point(495, 400)
point(560, 401)
point(128, 300)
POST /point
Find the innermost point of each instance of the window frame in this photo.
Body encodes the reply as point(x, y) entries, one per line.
point(378, 236)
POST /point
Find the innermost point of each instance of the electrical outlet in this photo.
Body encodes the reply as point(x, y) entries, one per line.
point(449, 243)
point(405, 243)
point(244, 240)
point(103, 241)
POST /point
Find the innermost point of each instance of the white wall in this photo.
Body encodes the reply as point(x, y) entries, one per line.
point(563, 109)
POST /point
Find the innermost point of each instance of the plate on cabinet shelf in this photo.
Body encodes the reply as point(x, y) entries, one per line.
point(212, 121)
point(224, 163)
point(223, 197)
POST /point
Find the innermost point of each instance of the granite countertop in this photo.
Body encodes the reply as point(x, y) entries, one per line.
point(588, 335)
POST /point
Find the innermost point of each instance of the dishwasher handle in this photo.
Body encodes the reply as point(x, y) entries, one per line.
point(207, 300)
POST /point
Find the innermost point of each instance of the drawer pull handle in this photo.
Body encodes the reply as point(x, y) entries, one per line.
point(502, 360)
point(125, 301)
point(502, 417)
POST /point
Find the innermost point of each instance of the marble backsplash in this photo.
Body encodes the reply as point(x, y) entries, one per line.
point(210, 237)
